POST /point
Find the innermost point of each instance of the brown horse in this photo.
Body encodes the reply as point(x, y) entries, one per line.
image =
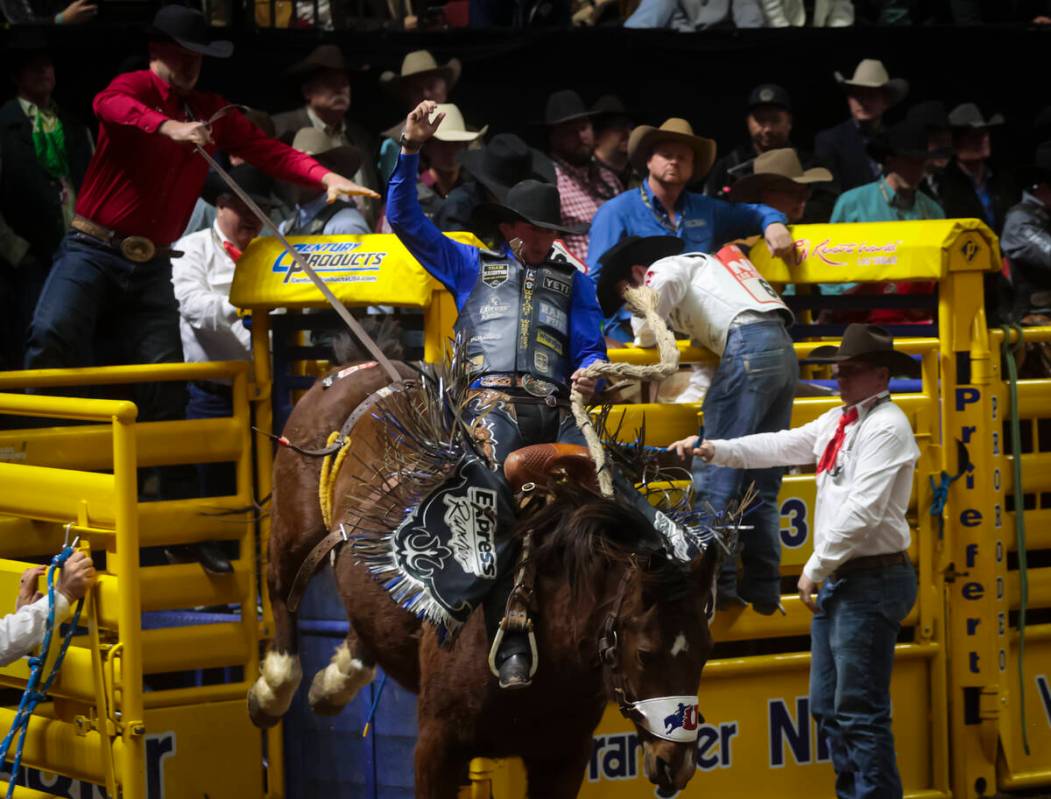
point(616, 620)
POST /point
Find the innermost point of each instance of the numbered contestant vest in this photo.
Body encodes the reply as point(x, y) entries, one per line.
point(516, 320)
point(721, 288)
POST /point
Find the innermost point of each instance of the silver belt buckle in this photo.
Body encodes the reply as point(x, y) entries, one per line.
point(536, 387)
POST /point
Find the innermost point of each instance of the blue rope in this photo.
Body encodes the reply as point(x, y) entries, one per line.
point(32, 697)
point(375, 706)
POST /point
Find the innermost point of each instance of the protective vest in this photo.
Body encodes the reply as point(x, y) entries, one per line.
point(316, 226)
point(516, 319)
point(718, 290)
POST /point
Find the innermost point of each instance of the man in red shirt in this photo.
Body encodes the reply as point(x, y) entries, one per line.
point(111, 280)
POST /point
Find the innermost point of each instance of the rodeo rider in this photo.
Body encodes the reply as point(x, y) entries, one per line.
point(522, 373)
point(866, 455)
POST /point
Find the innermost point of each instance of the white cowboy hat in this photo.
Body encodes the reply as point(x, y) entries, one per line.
point(453, 128)
point(871, 74)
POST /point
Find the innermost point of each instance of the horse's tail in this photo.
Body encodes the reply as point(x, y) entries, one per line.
point(384, 329)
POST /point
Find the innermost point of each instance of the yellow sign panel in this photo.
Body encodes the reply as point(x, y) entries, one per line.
point(882, 251)
point(758, 737)
point(374, 269)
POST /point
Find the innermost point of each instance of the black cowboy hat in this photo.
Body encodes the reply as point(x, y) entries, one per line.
point(256, 184)
point(907, 139)
point(505, 161)
point(610, 111)
point(188, 28)
point(868, 343)
point(969, 115)
point(528, 201)
point(930, 113)
point(1039, 171)
point(22, 46)
point(618, 260)
point(565, 106)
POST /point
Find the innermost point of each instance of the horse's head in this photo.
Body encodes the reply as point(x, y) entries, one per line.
point(653, 635)
point(654, 642)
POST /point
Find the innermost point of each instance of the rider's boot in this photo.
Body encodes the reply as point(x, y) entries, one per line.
point(510, 656)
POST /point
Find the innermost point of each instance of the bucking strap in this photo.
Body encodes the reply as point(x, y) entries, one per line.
point(310, 564)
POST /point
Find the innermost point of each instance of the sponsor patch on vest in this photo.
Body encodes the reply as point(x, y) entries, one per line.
point(472, 522)
point(494, 275)
point(556, 283)
point(542, 363)
point(549, 341)
point(553, 317)
point(494, 310)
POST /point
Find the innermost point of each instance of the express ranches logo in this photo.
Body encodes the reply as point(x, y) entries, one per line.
point(338, 262)
point(841, 253)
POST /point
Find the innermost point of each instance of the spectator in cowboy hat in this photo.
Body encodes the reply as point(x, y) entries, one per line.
point(932, 115)
point(503, 162)
point(421, 78)
point(671, 157)
point(1026, 242)
point(113, 270)
point(442, 172)
point(324, 82)
point(969, 187)
point(613, 125)
point(313, 214)
point(769, 123)
point(583, 183)
point(870, 92)
point(779, 181)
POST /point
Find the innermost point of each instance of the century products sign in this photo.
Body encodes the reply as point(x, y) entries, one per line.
point(337, 261)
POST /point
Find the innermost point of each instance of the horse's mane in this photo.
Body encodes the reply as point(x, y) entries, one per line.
point(582, 534)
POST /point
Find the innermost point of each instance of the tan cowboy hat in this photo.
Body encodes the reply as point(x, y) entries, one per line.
point(645, 137)
point(869, 343)
point(453, 128)
point(772, 169)
point(344, 160)
point(420, 62)
point(871, 74)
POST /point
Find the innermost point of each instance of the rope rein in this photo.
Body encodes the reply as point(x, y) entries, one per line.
point(643, 301)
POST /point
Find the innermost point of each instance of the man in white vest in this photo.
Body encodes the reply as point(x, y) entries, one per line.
point(721, 302)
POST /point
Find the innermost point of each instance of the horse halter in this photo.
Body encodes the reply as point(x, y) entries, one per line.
point(673, 718)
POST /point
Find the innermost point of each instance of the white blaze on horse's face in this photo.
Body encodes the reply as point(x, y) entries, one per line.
point(681, 645)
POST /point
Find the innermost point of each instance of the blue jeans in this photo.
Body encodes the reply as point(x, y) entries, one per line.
point(752, 392)
point(214, 479)
point(852, 642)
point(99, 307)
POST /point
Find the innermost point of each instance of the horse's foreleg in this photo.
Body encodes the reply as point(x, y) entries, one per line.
point(280, 673)
point(557, 779)
point(438, 768)
point(348, 672)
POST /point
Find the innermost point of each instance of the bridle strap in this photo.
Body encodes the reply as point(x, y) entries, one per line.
point(608, 643)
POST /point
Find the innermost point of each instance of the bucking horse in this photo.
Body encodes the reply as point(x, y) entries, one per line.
point(616, 618)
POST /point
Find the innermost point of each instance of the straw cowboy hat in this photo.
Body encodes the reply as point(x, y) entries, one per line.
point(867, 343)
point(421, 62)
point(776, 169)
point(530, 201)
point(618, 260)
point(871, 74)
point(453, 128)
point(343, 160)
point(645, 137)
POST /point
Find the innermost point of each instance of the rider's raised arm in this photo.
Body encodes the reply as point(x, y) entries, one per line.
point(453, 264)
point(586, 343)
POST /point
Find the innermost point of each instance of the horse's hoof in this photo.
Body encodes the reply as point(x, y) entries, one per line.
point(260, 718)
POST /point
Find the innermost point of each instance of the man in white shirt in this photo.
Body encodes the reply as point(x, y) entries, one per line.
point(210, 327)
point(313, 214)
point(23, 630)
point(866, 456)
point(725, 305)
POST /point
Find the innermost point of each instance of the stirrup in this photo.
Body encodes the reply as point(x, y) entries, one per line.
point(498, 639)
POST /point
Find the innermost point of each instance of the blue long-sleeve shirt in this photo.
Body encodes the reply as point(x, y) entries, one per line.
point(457, 265)
point(704, 223)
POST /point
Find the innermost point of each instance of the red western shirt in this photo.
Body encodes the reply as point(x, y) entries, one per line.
point(141, 183)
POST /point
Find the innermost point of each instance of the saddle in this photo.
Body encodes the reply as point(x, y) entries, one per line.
point(542, 463)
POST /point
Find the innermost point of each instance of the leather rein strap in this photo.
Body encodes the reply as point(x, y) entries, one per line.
point(608, 646)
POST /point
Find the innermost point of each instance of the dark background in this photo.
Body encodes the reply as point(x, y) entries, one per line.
point(704, 77)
